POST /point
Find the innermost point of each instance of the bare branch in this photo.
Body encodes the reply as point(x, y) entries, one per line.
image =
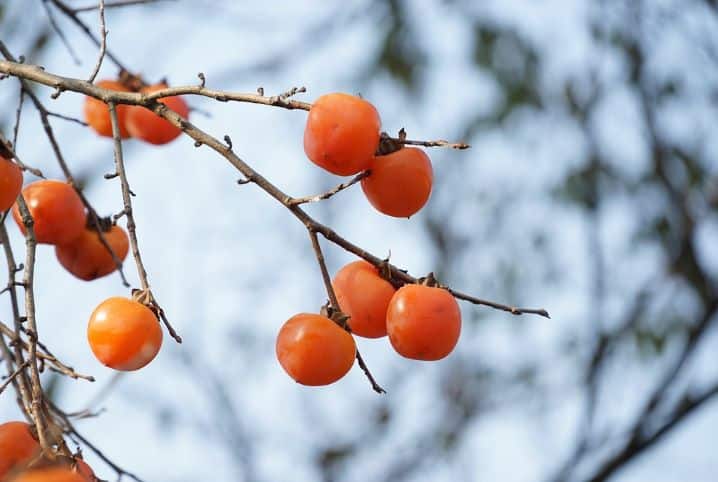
point(335, 305)
point(36, 74)
point(103, 43)
point(60, 33)
point(11, 378)
point(116, 4)
point(331, 192)
point(37, 405)
point(68, 11)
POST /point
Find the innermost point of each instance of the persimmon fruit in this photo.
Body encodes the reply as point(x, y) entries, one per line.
point(87, 258)
point(342, 133)
point(314, 350)
point(51, 474)
point(56, 209)
point(124, 334)
point(10, 183)
point(423, 322)
point(17, 447)
point(364, 296)
point(144, 124)
point(97, 114)
point(399, 184)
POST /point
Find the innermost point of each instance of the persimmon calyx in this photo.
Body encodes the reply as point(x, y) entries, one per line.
point(387, 144)
point(337, 316)
point(430, 281)
point(146, 298)
point(103, 222)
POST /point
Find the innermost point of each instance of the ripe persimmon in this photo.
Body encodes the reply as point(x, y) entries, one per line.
point(10, 183)
point(342, 133)
point(97, 114)
point(87, 258)
point(56, 209)
point(17, 446)
point(364, 296)
point(50, 474)
point(399, 183)
point(423, 322)
point(124, 334)
point(144, 124)
point(314, 350)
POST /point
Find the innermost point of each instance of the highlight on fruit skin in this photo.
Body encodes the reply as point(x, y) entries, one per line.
point(342, 133)
point(399, 183)
point(144, 124)
point(56, 209)
point(124, 334)
point(10, 183)
point(423, 322)
point(97, 114)
point(363, 295)
point(314, 350)
point(87, 258)
point(17, 447)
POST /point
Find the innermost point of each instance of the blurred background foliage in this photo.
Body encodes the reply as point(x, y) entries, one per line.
point(591, 190)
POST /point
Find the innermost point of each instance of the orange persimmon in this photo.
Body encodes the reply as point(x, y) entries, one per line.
point(342, 133)
point(423, 322)
point(56, 209)
point(17, 446)
point(87, 258)
point(364, 296)
point(144, 124)
point(10, 183)
point(124, 334)
point(314, 350)
point(399, 183)
point(97, 114)
point(50, 474)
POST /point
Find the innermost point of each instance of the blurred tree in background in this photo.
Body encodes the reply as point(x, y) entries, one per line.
point(591, 189)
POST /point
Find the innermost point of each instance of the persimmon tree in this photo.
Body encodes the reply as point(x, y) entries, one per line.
point(342, 135)
point(590, 187)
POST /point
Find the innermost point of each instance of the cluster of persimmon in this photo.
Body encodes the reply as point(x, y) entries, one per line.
point(21, 459)
point(135, 121)
point(423, 321)
point(124, 334)
point(343, 134)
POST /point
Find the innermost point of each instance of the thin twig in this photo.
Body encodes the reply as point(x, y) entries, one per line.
point(60, 33)
point(37, 406)
point(45, 354)
point(12, 270)
point(11, 377)
point(94, 218)
point(68, 11)
point(18, 114)
point(67, 118)
point(131, 226)
point(103, 43)
point(127, 197)
point(115, 4)
point(437, 143)
point(335, 305)
point(10, 148)
point(72, 430)
point(331, 192)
